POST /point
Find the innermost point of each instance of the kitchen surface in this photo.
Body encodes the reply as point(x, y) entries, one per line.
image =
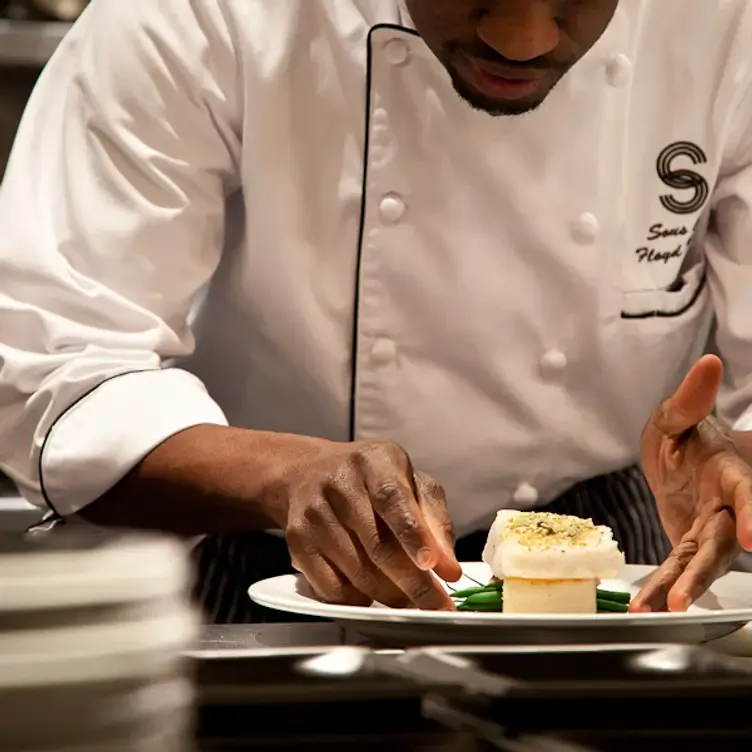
point(464, 701)
point(99, 627)
point(104, 634)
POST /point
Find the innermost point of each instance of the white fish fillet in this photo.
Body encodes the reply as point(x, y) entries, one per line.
point(544, 546)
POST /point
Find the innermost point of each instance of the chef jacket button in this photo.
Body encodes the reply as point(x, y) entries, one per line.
point(619, 71)
point(380, 118)
point(553, 362)
point(586, 227)
point(392, 209)
point(397, 52)
point(383, 352)
point(525, 495)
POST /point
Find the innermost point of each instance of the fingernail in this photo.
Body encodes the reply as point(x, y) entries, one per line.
point(745, 538)
point(425, 559)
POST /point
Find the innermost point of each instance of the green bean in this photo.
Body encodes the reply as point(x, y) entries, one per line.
point(609, 595)
point(474, 591)
point(495, 605)
point(611, 606)
point(483, 599)
point(489, 598)
point(488, 607)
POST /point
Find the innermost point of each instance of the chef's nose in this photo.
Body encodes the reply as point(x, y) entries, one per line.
point(520, 30)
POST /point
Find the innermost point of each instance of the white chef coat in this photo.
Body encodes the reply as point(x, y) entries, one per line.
point(278, 214)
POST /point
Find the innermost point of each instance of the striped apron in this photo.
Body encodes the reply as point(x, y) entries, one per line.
point(228, 564)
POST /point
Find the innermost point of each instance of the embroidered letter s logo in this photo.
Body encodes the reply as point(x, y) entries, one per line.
point(682, 179)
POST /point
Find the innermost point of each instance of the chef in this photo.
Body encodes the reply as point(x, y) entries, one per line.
point(341, 278)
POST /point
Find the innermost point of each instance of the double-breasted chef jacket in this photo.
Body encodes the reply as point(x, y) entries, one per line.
point(279, 215)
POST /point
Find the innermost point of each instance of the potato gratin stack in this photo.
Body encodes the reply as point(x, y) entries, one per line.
point(550, 563)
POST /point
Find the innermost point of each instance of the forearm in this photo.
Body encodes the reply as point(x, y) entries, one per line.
point(206, 480)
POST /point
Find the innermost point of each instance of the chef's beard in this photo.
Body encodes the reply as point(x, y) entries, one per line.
point(494, 107)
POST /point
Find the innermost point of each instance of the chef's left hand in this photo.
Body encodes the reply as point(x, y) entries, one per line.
point(703, 488)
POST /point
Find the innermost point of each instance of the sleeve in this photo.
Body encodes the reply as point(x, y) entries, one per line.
point(112, 217)
point(729, 256)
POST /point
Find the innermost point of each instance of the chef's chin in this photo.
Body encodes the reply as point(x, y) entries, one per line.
point(493, 106)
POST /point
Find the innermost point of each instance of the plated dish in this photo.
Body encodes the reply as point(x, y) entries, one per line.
point(557, 588)
point(546, 563)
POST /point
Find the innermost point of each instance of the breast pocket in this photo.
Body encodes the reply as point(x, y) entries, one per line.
point(683, 300)
point(660, 332)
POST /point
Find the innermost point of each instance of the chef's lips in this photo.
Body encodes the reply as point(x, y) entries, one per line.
point(494, 84)
point(476, 40)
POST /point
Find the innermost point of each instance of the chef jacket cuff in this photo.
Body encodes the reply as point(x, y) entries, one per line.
point(100, 438)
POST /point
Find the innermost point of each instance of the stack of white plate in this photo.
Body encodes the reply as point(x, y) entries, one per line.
point(93, 632)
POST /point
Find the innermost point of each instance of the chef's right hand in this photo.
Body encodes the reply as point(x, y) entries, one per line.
point(362, 525)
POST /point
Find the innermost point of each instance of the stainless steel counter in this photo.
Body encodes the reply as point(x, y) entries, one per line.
point(250, 699)
point(16, 514)
point(259, 636)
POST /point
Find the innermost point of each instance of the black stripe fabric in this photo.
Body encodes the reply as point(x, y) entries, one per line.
point(229, 564)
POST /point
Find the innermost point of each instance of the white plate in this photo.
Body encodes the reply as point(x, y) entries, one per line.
point(724, 609)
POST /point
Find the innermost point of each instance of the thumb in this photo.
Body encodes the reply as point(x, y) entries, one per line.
point(692, 402)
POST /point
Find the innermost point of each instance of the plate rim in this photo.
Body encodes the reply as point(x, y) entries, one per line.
point(310, 607)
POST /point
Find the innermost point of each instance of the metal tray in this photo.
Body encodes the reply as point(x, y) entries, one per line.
point(629, 741)
point(638, 687)
point(586, 671)
point(560, 699)
point(317, 699)
point(300, 675)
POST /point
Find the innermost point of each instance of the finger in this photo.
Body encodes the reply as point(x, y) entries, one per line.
point(653, 595)
point(743, 512)
point(330, 585)
point(744, 526)
point(382, 549)
point(388, 478)
point(735, 479)
point(422, 588)
point(433, 503)
point(692, 401)
point(716, 553)
point(351, 560)
point(662, 446)
point(303, 543)
point(362, 573)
